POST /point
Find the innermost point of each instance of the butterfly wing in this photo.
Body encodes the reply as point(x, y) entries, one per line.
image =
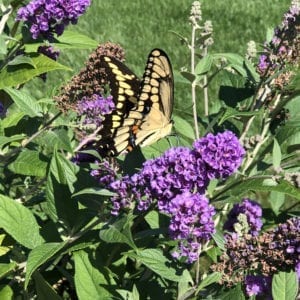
point(124, 88)
point(156, 99)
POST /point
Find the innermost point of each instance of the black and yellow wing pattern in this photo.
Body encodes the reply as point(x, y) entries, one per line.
point(143, 109)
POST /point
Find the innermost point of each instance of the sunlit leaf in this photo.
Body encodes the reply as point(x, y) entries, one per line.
point(285, 286)
point(25, 102)
point(158, 263)
point(30, 163)
point(12, 76)
point(89, 281)
point(16, 220)
point(39, 255)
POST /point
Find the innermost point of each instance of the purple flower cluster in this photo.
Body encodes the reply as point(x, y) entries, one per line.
point(222, 154)
point(93, 109)
point(252, 222)
point(191, 223)
point(177, 170)
point(177, 181)
point(49, 51)
point(257, 285)
point(46, 17)
point(105, 173)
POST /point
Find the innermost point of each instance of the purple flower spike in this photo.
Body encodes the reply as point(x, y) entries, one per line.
point(191, 223)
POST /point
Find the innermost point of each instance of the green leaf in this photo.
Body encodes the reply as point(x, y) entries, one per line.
point(235, 61)
point(251, 71)
point(257, 184)
point(7, 268)
point(269, 34)
point(94, 191)
point(276, 200)
point(6, 140)
point(89, 282)
point(40, 255)
point(16, 220)
point(12, 76)
point(204, 65)
point(276, 154)
point(68, 40)
point(152, 218)
point(55, 139)
point(6, 293)
point(3, 47)
point(11, 119)
point(159, 264)
point(209, 279)
point(21, 59)
point(233, 113)
point(25, 102)
point(219, 239)
point(188, 75)
point(30, 163)
point(184, 127)
point(285, 286)
point(134, 295)
point(119, 232)
point(43, 288)
point(235, 293)
point(63, 170)
point(60, 205)
point(287, 131)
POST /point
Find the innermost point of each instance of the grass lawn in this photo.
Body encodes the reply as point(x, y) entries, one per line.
point(140, 26)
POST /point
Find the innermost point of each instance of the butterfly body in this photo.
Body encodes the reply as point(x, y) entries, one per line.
point(143, 109)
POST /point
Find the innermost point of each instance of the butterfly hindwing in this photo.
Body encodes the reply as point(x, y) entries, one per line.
point(156, 99)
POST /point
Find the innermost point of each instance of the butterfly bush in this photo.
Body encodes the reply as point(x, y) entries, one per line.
point(176, 183)
point(46, 17)
point(252, 212)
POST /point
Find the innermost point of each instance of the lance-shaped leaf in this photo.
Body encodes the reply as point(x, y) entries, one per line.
point(11, 76)
point(19, 222)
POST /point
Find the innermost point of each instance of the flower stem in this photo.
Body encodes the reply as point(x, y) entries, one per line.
point(194, 82)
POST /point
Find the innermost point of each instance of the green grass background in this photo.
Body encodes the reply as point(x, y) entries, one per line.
point(140, 26)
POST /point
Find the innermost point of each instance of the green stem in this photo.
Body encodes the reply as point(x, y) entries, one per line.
point(194, 82)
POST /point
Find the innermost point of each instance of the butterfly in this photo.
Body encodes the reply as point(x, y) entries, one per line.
point(143, 108)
